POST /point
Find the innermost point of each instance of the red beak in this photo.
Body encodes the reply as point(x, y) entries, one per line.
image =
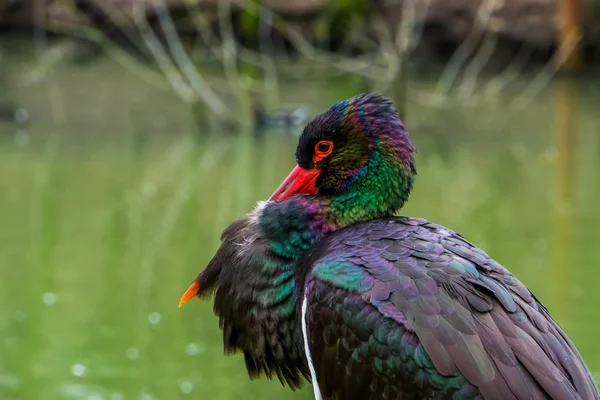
point(299, 181)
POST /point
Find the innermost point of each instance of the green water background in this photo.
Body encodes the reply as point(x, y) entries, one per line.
point(114, 198)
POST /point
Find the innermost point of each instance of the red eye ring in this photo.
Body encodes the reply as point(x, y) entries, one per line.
point(323, 148)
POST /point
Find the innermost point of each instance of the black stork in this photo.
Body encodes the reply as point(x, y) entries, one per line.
point(323, 282)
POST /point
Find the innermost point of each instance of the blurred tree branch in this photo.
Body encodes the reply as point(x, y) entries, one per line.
point(373, 40)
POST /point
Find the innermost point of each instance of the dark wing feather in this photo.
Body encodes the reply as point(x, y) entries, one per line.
point(405, 309)
point(256, 304)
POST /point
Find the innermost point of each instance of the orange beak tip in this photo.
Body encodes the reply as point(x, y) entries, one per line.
point(190, 293)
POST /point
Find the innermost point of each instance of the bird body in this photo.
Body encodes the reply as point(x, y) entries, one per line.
point(401, 308)
point(324, 282)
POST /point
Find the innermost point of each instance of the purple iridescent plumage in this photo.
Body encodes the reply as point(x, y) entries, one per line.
point(422, 313)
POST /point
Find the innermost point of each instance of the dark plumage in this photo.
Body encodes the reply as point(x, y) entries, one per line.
point(323, 280)
point(404, 309)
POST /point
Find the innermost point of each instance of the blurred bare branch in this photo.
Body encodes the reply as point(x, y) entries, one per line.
point(476, 65)
point(509, 74)
point(384, 47)
point(461, 55)
point(185, 64)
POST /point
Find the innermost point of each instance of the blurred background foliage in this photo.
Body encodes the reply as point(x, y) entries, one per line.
point(133, 132)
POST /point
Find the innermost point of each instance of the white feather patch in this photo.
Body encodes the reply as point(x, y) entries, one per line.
point(250, 233)
point(313, 374)
point(255, 214)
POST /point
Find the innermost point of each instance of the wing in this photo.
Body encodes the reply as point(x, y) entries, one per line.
point(254, 297)
point(405, 309)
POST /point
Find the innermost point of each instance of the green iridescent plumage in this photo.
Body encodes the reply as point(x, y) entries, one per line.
point(340, 274)
point(363, 203)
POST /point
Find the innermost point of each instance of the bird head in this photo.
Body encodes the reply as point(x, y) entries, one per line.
point(359, 147)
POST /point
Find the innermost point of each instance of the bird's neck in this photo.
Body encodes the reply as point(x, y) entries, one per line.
point(376, 191)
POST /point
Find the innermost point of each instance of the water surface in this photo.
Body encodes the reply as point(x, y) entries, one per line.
point(114, 198)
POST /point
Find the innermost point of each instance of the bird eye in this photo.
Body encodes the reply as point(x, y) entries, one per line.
point(322, 149)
